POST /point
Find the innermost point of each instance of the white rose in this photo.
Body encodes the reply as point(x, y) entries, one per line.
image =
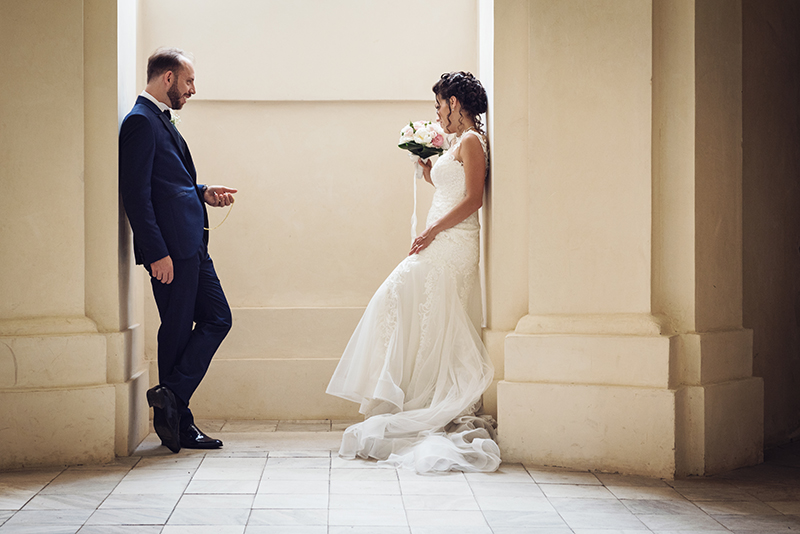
point(406, 134)
point(424, 136)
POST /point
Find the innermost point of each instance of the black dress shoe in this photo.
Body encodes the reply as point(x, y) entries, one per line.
point(165, 416)
point(193, 438)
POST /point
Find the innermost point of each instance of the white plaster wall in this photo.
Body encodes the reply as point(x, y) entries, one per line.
point(299, 106)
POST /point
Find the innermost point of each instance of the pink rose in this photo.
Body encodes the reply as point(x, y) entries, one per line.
point(437, 141)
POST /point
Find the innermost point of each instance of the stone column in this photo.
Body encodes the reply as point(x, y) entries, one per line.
point(632, 357)
point(61, 345)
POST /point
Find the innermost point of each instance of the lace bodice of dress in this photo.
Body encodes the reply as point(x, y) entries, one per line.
point(450, 181)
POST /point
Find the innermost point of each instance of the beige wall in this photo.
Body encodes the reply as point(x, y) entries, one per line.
point(299, 105)
point(771, 102)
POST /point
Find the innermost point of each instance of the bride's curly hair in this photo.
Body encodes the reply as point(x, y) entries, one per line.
point(468, 90)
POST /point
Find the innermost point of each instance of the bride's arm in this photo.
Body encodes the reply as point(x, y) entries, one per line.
point(471, 155)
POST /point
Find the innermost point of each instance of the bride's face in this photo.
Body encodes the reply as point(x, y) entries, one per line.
point(442, 114)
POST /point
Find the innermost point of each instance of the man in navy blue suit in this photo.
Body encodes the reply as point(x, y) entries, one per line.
point(166, 208)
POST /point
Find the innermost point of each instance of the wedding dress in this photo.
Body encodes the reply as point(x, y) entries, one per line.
point(415, 362)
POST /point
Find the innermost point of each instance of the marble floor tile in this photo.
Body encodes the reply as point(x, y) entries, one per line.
point(699, 521)
point(222, 486)
point(445, 518)
point(363, 474)
point(365, 502)
point(38, 529)
point(300, 454)
point(293, 487)
point(209, 516)
point(562, 504)
point(407, 475)
point(288, 517)
point(576, 492)
point(715, 494)
point(164, 486)
point(128, 516)
point(227, 473)
point(546, 530)
point(206, 500)
point(736, 507)
point(786, 507)
point(472, 529)
point(756, 522)
point(285, 529)
point(157, 476)
point(295, 474)
point(615, 479)
point(662, 493)
point(203, 529)
point(301, 463)
point(499, 489)
point(14, 499)
point(334, 529)
point(519, 504)
point(291, 501)
point(435, 487)
point(133, 500)
point(530, 520)
point(368, 487)
point(269, 425)
point(508, 473)
point(321, 425)
point(647, 507)
point(444, 502)
point(282, 482)
point(120, 529)
point(556, 475)
point(66, 518)
point(25, 478)
point(603, 520)
point(365, 518)
point(357, 463)
point(87, 501)
point(169, 462)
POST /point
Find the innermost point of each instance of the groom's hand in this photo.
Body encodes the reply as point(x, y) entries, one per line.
point(162, 270)
point(219, 195)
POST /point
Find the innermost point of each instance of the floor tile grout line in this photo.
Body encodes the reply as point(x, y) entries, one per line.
point(538, 485)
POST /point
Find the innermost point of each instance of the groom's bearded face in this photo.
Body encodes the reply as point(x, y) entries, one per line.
point(174, 95)
point(182, 87)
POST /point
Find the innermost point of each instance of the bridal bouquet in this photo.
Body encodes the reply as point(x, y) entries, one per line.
point(423, 139)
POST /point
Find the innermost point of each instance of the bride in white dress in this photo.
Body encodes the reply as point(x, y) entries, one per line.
point(416, 363)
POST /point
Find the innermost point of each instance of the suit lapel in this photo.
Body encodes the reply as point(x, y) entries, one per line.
point(183, 148)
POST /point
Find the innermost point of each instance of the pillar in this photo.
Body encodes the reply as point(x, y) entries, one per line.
point(632, 356)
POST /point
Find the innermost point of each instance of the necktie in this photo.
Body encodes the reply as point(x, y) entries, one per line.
point(168, 114)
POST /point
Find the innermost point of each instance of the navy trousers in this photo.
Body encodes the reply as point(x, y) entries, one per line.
point(195, 318)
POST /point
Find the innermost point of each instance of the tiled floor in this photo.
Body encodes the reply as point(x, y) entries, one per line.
point(285, 478)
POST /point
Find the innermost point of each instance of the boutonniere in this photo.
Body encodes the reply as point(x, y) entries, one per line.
point(174, 118)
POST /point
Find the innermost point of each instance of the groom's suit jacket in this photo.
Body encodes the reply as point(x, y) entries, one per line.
point(158, 185)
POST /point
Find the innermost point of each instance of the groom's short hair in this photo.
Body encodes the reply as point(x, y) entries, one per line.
point(165, 59)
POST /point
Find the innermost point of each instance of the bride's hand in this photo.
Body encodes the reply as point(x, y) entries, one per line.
point(422, 241)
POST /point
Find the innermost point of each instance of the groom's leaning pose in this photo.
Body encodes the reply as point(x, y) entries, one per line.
point(166, 209)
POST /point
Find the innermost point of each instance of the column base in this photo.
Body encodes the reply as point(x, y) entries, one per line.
point(652, 405)
point(56, 426)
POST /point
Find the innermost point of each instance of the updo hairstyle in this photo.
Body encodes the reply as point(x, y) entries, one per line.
point(468, 90)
